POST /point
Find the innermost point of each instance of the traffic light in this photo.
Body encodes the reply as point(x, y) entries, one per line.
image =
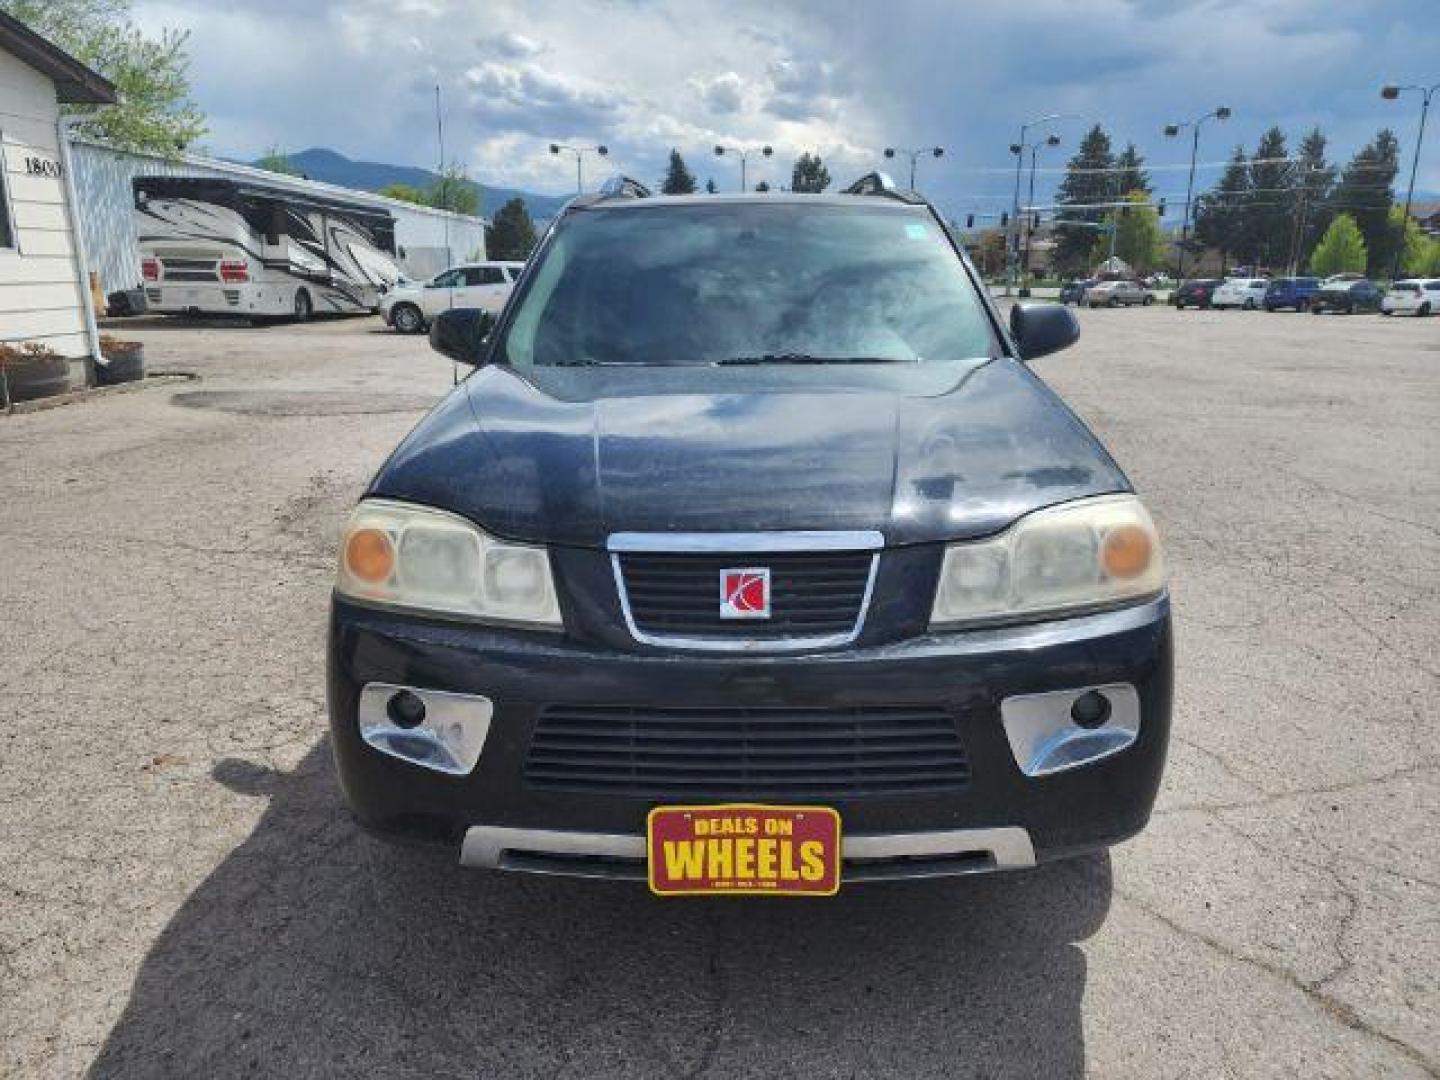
point(1161, 208)
point(1004, 219)
point(969, 221)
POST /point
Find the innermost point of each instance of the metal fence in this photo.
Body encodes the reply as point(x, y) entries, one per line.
point(106, 210)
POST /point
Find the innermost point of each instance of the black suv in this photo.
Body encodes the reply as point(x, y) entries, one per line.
point(752, 523)
point(1347, 296)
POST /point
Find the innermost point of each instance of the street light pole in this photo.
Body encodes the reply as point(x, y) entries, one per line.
point(1390, 93)
point(579, 152)
point(1012, 253)
point(1035, 148)
point(1171, 130)
point(744, 156)
point(914, 155)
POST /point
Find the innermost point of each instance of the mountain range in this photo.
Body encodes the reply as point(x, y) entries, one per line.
point(331, 167)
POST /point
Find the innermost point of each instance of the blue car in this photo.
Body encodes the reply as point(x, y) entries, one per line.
point(753, 555)
point(1291, 292)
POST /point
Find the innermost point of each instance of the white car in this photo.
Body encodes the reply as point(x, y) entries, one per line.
point(1115, 293)
point(1247, 293)
point(1412, 298)
point(409, 307)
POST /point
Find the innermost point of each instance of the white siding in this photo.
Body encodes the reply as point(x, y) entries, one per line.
point(40, 284)
point(102, 185)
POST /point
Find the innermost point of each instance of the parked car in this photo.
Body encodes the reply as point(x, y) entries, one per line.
point(1412, 298)
point(1196, 293)
point(1348, 295)
point(410, 306)
point(1247, 293)
point(1115, 293)
point(1288, 292)
point(679, 562)
point(1073, 292)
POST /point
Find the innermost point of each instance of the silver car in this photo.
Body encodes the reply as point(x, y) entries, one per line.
point(1115, 293)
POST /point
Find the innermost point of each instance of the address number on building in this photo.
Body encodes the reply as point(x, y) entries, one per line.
point(35, 166)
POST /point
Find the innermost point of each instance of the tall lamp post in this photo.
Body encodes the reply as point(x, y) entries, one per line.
point(914, 155)
point(744, 156)
point(1390, 93)
point(579, 152)
point(1012, 258)
point(1018, 149)
point(1172, 130)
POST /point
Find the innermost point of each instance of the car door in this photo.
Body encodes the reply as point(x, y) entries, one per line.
point(490, 289)
point(439, 294)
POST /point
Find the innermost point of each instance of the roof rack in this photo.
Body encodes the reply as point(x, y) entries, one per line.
point(621, 186)
point(880, 183)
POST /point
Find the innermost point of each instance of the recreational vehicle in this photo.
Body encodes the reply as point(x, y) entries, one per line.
point(228, 247)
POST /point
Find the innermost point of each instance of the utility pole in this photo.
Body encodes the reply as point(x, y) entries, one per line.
point(440, 139)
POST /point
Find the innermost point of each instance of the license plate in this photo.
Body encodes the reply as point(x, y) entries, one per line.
point(743, 849)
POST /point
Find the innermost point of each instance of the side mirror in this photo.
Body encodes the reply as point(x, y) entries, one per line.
point(460, 334)
point(1041, 329)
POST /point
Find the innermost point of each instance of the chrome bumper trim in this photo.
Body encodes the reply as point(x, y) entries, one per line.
point(871, 856)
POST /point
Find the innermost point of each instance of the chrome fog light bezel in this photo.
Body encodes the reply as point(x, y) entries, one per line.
point(1045, 740)
point(449, 739)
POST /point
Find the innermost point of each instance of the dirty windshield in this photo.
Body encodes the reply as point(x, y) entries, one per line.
point(743, 283)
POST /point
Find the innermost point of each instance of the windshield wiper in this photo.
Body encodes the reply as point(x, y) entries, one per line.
point(808, 358)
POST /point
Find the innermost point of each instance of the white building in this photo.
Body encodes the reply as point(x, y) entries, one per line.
point(44, 297)
point(426, 240)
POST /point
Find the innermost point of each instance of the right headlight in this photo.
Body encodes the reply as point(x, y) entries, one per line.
point(1086, 554)
point(407, 556)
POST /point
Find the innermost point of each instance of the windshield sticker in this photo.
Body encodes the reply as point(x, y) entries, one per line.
point(916, 231)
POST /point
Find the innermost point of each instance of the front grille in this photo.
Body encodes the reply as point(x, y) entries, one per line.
point(812, 594)
point(745, 753)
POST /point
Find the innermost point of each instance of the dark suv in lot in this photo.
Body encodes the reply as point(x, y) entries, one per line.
point(751, 502)
point(1347, 296)
point(1196, 294)
point(1290, 292)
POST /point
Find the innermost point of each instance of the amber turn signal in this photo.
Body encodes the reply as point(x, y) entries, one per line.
point(1126, 552)
point(369, 555)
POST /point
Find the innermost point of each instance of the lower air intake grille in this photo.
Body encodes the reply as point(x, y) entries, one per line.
point(731, 753)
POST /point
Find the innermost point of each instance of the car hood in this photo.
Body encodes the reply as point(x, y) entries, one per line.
point(926, 452)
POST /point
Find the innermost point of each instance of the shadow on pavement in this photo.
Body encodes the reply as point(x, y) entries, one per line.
point(314, 950)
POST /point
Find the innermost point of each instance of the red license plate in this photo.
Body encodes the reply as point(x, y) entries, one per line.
point(743, 849)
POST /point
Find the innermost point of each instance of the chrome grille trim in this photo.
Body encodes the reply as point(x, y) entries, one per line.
point(749, 544)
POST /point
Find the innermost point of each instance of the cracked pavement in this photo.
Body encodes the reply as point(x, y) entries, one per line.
point(181, 893)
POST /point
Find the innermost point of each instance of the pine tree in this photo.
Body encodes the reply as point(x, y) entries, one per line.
point(1220, 214)
point(1132, 175)
point(1268, 218)
point(1365, 193)
point(809, 174)
point(1341, 249)
point(512, 234)
point(1084, 182)
point(1314, 178)
point(679, 180)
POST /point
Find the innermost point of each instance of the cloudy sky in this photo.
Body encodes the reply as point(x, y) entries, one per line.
point(842, 78)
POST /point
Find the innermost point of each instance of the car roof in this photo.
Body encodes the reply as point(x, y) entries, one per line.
point(770, 198)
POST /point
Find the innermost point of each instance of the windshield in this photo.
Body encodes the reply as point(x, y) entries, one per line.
point(746, 282)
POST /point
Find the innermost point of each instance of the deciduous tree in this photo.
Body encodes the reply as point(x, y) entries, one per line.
point(151, 72)
point(453, 190)
point(405, 193)
point(1341, 249)
point(277, 160)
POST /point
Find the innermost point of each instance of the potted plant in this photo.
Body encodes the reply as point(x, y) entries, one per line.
point(31, 370)
point(124, 361)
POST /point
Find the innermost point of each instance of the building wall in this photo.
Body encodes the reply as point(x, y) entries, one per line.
point(102, 186)
point(40, 282)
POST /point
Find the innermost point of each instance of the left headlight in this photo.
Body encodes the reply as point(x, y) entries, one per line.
point(427, 560)
point(1087, 554)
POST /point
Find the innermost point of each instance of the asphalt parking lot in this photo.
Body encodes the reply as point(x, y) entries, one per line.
point(181, 893)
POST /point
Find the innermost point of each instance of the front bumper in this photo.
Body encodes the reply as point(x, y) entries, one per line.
point(1000, 818)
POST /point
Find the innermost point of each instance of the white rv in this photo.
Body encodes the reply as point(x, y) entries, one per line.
point(228, 247)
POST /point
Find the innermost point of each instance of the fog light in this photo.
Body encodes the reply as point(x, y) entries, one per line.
point(1065, 729)
point(430, 728)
